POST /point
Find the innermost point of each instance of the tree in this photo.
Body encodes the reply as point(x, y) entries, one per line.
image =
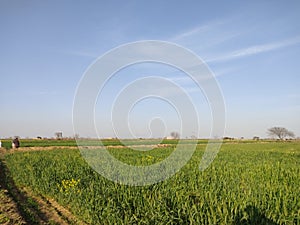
point(280, 132)
point(291, 134)
point(175, 135)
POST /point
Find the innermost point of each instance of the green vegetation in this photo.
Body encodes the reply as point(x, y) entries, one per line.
point(248, 183)
point(6, 143)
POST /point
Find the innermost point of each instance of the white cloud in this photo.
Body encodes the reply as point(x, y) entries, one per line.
point(206, 36)
point(189, 33)
point(256, 49)
point(45, 93)
point(197, 30)
point(81, 53)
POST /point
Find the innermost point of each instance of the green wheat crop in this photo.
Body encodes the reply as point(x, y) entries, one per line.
point(248, 183)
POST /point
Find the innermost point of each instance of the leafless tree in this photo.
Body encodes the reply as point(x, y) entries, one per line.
point(291, 134)
point(280, 132)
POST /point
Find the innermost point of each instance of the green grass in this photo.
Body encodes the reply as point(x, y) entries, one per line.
point(248, 183)
point(6, 143)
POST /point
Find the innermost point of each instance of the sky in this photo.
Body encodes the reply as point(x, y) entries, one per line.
point(252, 48)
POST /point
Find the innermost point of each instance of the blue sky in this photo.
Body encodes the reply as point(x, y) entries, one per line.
point(252, 48)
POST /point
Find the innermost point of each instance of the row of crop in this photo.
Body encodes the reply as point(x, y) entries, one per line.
point(253, 183)
point(7, 143)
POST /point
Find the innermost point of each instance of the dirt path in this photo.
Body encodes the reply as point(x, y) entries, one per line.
point(9, 213)
point(22, 206)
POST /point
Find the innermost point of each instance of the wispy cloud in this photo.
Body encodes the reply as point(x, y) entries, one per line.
point(45, 93)
point(73, 52)
point(185, 79)
point(189, 33)
point(256, 49)
point(196, 30)
point(81, 53)
point(208, 35)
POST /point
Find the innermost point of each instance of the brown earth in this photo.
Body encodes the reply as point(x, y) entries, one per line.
point(9, 213)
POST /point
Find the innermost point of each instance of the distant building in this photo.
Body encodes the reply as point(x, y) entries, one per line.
point(170, 138)
point(58, 135)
